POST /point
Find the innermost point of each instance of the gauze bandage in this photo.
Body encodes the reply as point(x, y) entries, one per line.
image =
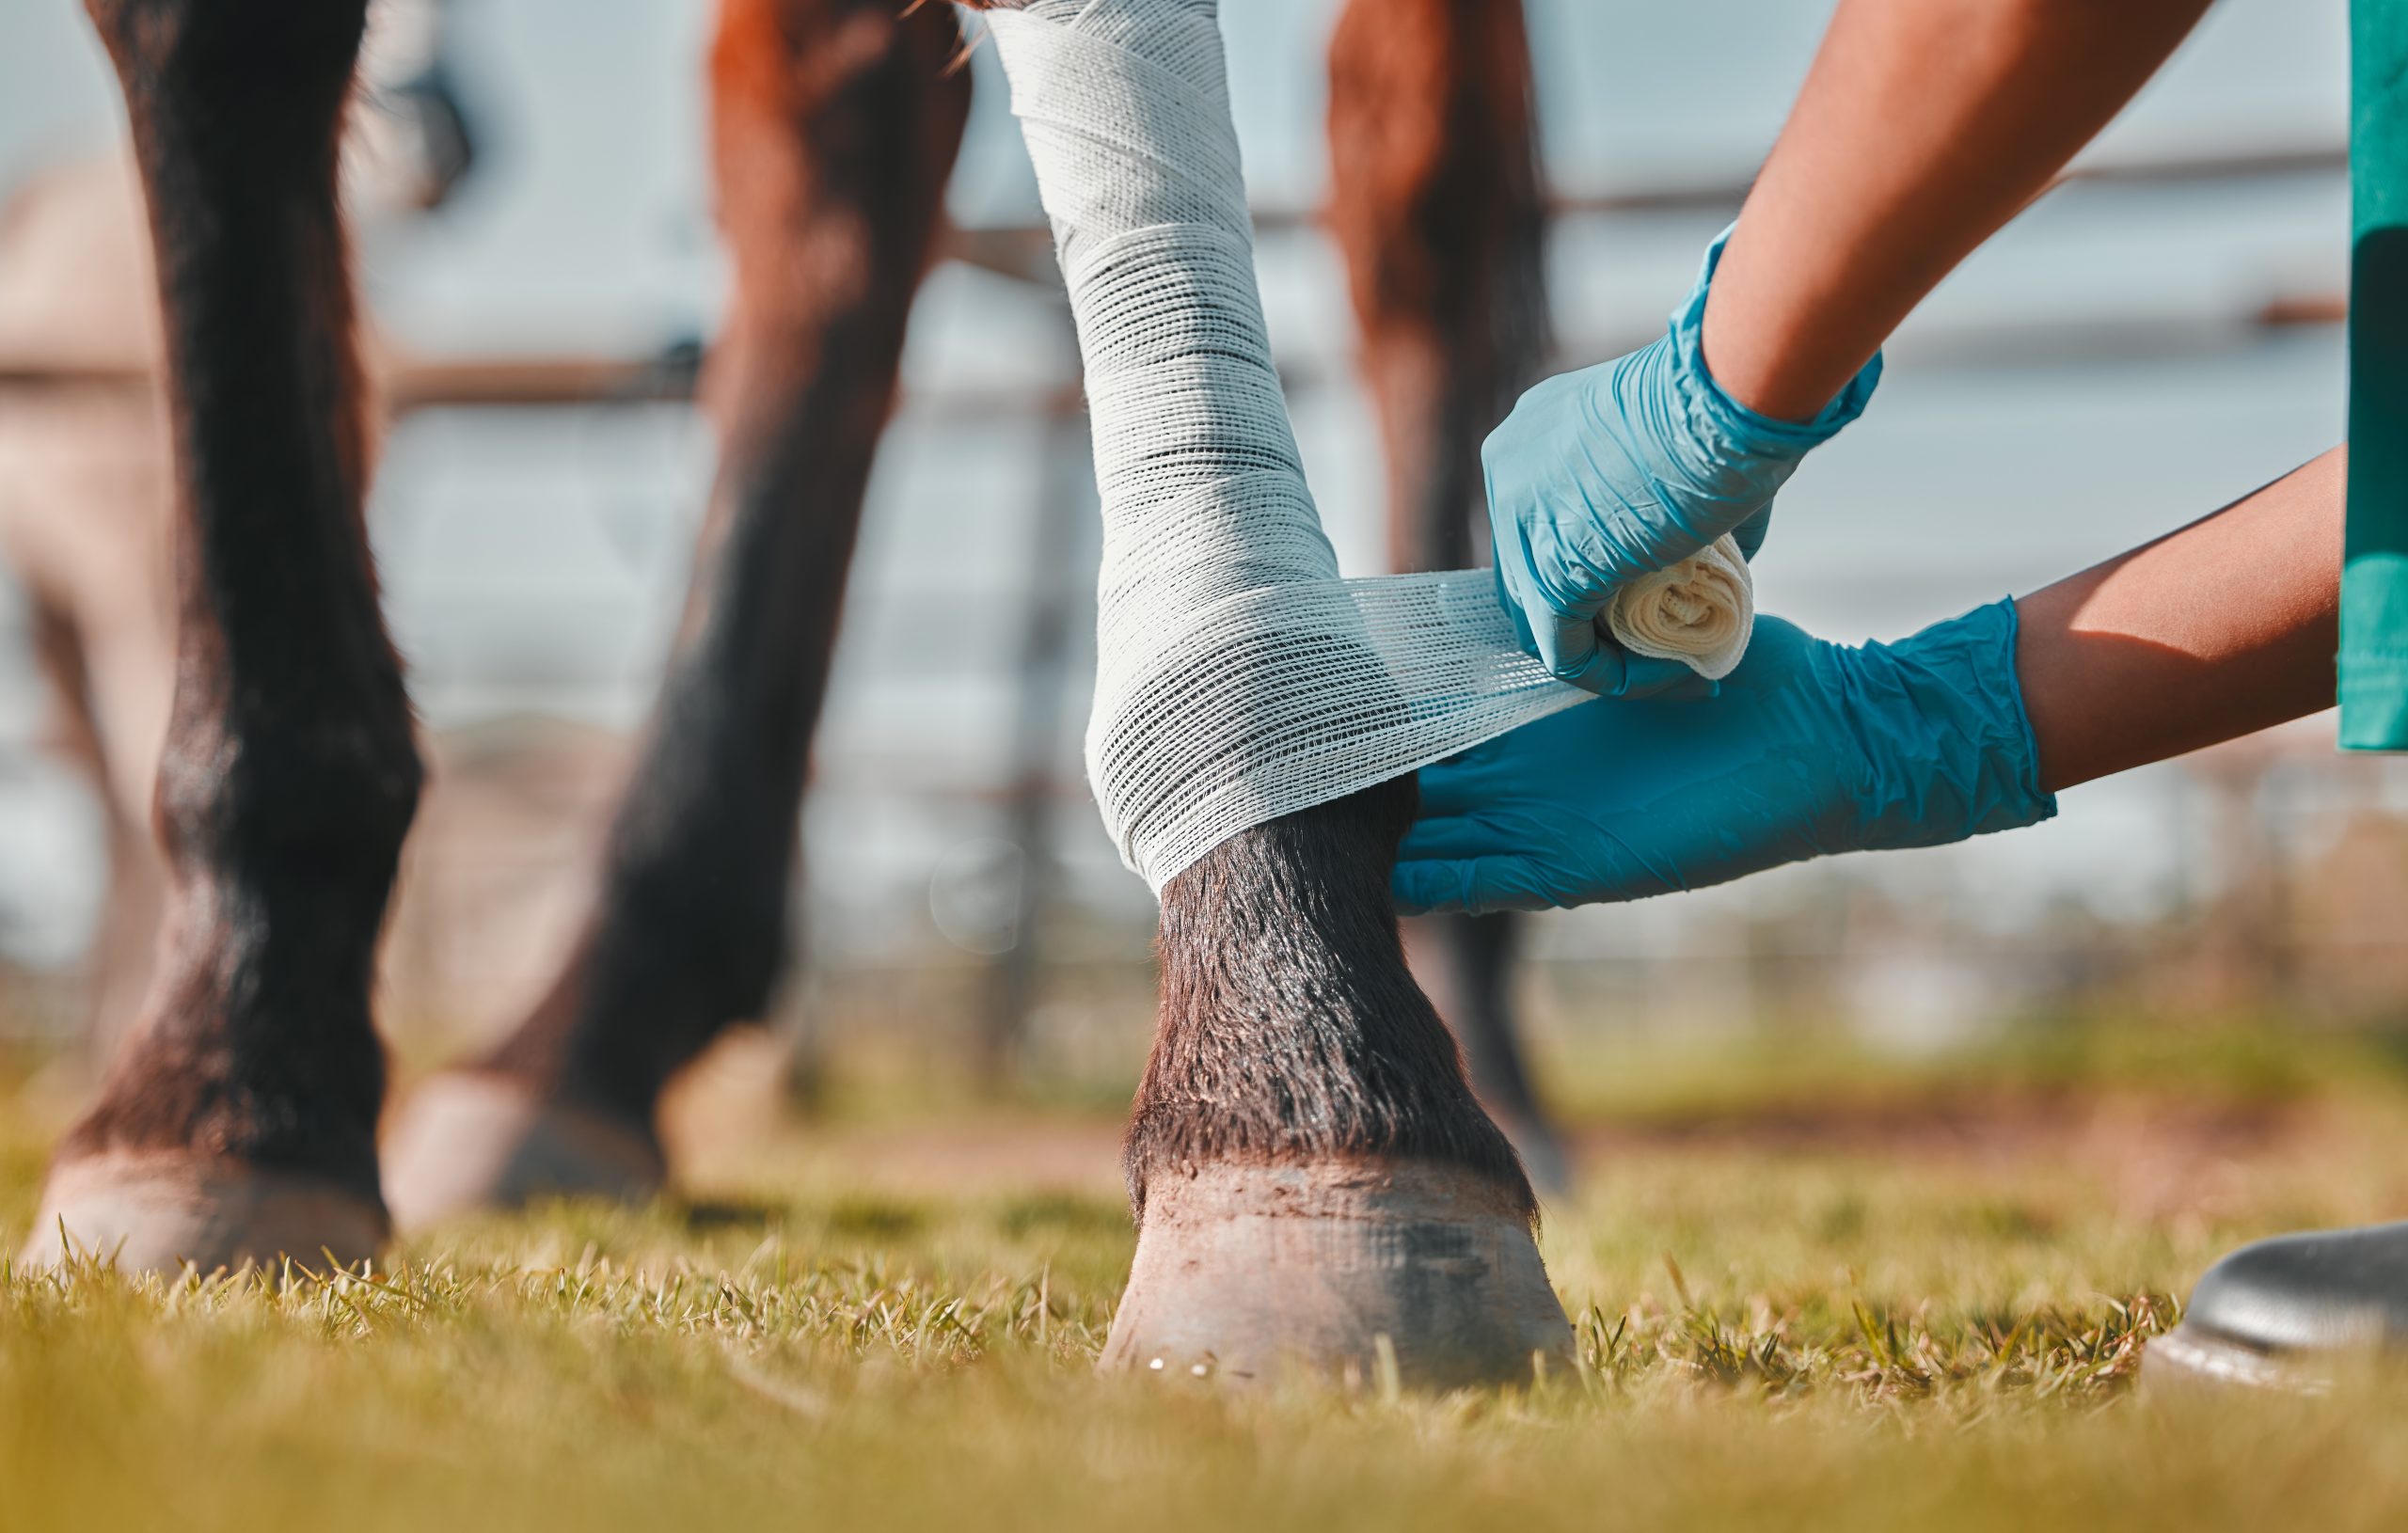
point(1238, 678)
point(1699, 611)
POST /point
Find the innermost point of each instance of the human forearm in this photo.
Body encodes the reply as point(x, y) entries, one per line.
point(2210, 633)
point(1923, 126)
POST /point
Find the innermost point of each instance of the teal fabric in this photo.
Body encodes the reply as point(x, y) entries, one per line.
point(2374, 572)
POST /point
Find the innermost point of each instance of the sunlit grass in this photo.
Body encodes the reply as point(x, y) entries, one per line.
point(1864, 1335)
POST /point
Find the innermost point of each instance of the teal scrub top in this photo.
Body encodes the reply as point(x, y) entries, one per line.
point(2374, 568)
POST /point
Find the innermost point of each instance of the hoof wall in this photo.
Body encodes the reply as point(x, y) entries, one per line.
point(158, 1213)
point(2190, 1359)
point(1341, 1270)
point(2295, 1312)
point(467, 1143)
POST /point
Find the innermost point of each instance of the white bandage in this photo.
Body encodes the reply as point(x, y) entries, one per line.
point(1238, 678)
point(1700, 611)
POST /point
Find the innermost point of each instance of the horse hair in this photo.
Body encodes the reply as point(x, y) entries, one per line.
point(1289, 1029)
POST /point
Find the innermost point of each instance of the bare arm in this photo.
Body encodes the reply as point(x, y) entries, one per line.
point(2227, 627)
point(1923, 126)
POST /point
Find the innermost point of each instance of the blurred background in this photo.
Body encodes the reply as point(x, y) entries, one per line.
point(2144, 345)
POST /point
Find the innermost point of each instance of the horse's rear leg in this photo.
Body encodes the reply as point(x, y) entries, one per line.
point(239, 1120)
point(1465, 964)
point(1435, 202)
point(65, 646)
point(836, 123)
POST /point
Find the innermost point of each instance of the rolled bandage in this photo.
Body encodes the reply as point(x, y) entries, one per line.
point(1699, 611)
point(1238, 677)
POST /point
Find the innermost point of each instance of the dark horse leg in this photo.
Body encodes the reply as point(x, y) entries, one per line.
point(239, 1121)
point(835, 127)
point(1467, 964)
point(1311, 1174)
point(1435, 202)
point(1313, 1181)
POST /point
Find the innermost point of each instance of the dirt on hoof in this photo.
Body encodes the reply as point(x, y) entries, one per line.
point(1361, 1271)
point(158, 1213)
point(466, 1143)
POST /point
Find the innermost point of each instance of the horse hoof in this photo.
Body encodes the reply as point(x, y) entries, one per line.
point(1358, 1272)
point(2297, 1313)
point(470, 1141)
point(166, 1212)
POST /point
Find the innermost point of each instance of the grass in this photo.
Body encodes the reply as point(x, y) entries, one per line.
point(1854, 1331)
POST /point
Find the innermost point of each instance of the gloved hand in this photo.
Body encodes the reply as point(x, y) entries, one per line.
point(1809, 749)
point(1615, 471)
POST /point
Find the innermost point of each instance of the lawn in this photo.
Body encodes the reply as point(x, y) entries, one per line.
point(1920, 1308)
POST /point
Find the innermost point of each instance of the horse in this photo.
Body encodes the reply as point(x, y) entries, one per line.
point(1312, 1173)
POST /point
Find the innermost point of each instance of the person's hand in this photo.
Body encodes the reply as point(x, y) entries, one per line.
point(1618, 470)
point(1808, 748)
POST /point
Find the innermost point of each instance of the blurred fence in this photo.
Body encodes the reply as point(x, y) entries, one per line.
point(958, 884)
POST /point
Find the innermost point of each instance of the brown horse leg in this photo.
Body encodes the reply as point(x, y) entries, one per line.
point(239, 1122)
point(1314, 1184)
point(1435, 203)
point(128, 931)
point(1313, 1178)
point(836, 123)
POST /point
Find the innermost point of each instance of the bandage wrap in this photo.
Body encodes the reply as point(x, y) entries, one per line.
point(1238, 677)
point(1700, 611)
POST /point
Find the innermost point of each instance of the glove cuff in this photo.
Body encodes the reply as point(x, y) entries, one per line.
point(1958, 759)
point(1738, 429)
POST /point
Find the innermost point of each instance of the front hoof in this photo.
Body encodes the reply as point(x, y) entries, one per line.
point(1243, 1272)
point(470, 1141)
point(166, 1212)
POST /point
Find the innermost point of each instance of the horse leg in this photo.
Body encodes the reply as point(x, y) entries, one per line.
point(1465, 964)
point(119, 959)
point(239, 1120)
point(835, 127)
point(1313, 1178)
point(1435, 204)
point(1314, 1184)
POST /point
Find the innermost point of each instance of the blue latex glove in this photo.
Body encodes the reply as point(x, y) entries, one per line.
point(1809, 749)
point(1618, 470)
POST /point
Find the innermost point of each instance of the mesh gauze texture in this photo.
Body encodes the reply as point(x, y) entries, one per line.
point(1237, 676)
